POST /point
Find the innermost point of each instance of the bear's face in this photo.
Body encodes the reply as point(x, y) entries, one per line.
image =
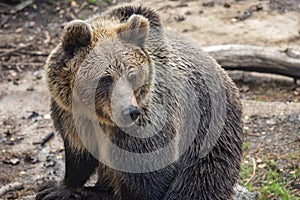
point(122, 78)
point(112, 71)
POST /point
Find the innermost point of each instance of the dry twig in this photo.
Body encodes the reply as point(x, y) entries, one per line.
point(21, 6)
point(253, 173)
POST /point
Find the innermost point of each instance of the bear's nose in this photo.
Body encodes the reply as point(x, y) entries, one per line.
point(132, 112)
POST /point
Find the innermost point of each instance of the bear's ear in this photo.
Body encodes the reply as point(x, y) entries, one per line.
point(76, 34)
point(135, 30)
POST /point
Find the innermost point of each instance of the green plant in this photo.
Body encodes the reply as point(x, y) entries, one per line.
point(269, 181)
point(246, 146)
point(92, 1)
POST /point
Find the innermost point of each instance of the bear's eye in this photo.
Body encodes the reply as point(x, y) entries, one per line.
point(105, 82)
point(132, 78)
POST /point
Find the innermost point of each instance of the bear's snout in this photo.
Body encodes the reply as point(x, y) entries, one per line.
point(131, 113)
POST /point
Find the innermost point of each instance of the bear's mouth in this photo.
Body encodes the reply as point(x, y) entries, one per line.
point(125, 120)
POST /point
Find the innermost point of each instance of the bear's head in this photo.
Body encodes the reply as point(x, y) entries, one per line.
point(104, 65)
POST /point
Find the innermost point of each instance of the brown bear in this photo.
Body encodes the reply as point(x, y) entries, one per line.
point(155, 116)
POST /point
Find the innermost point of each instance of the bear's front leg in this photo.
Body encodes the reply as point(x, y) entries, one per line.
point(204, 181)
point(79, 167)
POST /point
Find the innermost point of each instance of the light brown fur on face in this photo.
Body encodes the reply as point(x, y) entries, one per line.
point(82, 41)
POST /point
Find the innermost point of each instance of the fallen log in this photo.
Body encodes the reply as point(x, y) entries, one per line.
point(257, 59)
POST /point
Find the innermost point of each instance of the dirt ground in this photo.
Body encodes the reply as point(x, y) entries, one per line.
point(271, 103)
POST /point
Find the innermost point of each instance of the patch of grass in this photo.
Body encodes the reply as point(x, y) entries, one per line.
point(279, 190)
point(245, 172)
point(293, 156)
point(246, 146)
point(274, 187)
point(269, 181)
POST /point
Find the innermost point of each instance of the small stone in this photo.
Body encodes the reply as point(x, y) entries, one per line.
point(16, 82)
point(30, 89)
point(31, 24)
point(234, 20)
point(14, 161)
point(30, 159)
point(188, 12)
point(179, 18)
point(47, 116)
point(34, 116)
point(73, 4)
point(261, 166)
point(61, 149)
point(297, 92)
point(37, 75)
point(19, 30)
point(242, 193)
point(50, 164)
point(227, 5)
point(184, 30)
point(6, 26)
point(271, 121)
point(13, 73)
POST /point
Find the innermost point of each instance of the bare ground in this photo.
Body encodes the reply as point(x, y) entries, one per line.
point(271, 103)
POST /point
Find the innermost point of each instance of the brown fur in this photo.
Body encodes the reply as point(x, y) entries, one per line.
point(134, 46)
